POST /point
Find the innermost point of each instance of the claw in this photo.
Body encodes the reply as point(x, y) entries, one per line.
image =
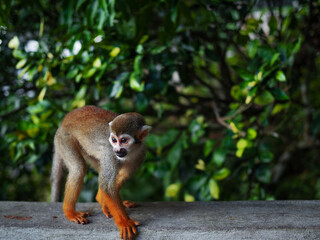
point(77, 217)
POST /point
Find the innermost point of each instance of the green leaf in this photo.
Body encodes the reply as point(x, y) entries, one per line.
point(79, 3)
point(279, 107)
point(72, 73)
point(214, 189)
point(168, 137)
point(90, 72)
point(141, 102)
point(173, 190)
point(240, 152)
point(236, 92)
point(14, 43)
point(139, 49)
point(274, 58)
point(97, 63)
point(153, 141)
point(265, 156)
point(122, 77)
point(21, 63)
point(42, 94)
point(93, 11)
point(201, 165)
point(280, 76)
point(18, 54)
point(264, 98)
point(174, 154)
point(253, 47)
point(117, 89)
point(102, 18)
point(158, 50)
point(279, 94)
point(143, 39)
point(82, 92)
point(39, 107)
point(136, 64)
point(208, 147)
point(219, 156)
point(263, 174)
point(135, 83)
point(245, 74)
point(273, 25)
point(188, 197)
point(221, 174)
point(251, 134)
point(297, 46)
point(242, 143)
point(32, 159)
point(115, 52)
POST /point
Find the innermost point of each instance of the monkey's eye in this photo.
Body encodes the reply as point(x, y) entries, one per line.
point(123, 140)
point(114, 140)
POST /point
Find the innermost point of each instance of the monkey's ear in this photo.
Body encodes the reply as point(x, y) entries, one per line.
point(110, 123)
point(144, 132)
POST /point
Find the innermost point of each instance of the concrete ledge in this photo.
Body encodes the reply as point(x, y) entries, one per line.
point(169, 220)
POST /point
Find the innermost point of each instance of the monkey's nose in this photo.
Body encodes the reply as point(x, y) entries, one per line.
point(121, 153)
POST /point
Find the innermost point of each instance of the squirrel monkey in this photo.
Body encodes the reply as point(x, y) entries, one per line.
point(113, 145)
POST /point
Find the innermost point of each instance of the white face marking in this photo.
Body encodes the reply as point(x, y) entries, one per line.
point(121, 145)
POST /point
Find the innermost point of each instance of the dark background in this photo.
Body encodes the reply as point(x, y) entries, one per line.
point(231, 89)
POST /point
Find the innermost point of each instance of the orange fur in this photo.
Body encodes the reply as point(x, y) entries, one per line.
point(126, 225)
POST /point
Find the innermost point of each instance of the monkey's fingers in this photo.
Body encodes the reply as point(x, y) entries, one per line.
point(129, 204)
point(136, 223)
point(128, 233)
point(128, 230)
point(79, 220)
point(77, 217)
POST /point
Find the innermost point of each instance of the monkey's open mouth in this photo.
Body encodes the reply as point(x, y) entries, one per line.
point(121, 153)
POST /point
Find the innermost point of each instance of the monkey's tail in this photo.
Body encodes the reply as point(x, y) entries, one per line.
point(56, 177)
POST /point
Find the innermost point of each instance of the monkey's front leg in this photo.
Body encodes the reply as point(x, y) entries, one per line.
point(105, 210)
point(126, 225)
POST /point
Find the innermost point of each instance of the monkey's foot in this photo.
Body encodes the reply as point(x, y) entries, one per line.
point(129, 204)
point(77, 217)
point(128, 229)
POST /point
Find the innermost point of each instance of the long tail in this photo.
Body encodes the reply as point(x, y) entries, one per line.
point(56, 177)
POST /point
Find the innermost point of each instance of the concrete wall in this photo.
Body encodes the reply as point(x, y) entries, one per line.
point(169, 220)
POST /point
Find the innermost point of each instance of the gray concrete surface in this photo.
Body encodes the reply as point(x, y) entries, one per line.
point(169, 220)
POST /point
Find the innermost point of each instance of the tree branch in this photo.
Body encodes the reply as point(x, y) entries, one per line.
point(221, 121)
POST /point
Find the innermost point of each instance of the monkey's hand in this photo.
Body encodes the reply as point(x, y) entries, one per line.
point(128, 229)
point(77, 217)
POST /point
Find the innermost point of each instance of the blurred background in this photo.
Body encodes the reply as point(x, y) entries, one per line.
point(231, 89)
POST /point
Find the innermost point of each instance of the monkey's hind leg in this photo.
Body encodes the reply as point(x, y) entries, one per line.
point(77, 170)
point(72, 191)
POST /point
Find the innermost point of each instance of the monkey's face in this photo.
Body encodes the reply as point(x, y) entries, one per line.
point(127, 132)
point(121, 144)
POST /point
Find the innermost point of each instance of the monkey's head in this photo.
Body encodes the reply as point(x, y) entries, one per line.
point(126, 132)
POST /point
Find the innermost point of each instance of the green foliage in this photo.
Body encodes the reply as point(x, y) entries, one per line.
point(229, 87)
